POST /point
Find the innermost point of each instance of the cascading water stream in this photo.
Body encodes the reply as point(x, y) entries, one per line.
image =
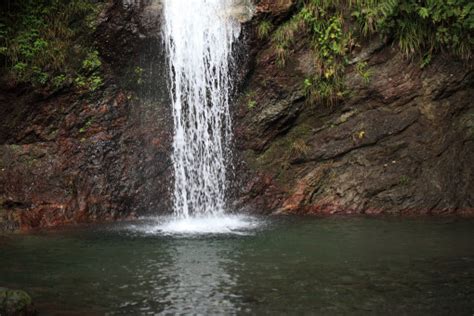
point(199, 36)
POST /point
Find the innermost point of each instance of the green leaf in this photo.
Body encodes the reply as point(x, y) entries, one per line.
point(424, 12)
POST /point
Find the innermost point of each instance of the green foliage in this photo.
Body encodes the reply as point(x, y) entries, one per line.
point(420, 26)
point(426, 60)
point(59, 81)
point(263, 29)
point(417, 27)
point(251, 102)
point(307, 84)
point(283, 39)
point(92, 62)
point(324, 25)
point(89, 76)
point(47, 43)
point(90, 83)
point(94, 82)
point(87, 125)
point(363, 71)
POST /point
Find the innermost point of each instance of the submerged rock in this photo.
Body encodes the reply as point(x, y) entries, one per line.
point(15, 303)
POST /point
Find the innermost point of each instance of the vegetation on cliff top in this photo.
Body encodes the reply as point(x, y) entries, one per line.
point(334, 28)
point(48, 43)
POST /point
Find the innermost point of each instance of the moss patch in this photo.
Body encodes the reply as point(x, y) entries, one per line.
point(282, 151)
point(14, 302)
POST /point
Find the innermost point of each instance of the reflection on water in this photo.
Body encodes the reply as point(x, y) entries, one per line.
point(186, 277)
point(200, 281)
point(193, 277)
point(290, 266)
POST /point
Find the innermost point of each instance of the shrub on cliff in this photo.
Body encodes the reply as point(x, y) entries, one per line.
point(334, 28)
point(420, 26)
point(48, 43)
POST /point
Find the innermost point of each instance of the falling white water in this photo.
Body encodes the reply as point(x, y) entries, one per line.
point(199, 36)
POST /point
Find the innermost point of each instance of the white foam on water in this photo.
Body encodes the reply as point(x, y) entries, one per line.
point(209, 225)
point(202, 225)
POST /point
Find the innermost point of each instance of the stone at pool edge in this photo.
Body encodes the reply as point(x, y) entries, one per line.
point(15, 303)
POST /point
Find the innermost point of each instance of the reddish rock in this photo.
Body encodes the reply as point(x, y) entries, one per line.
point(75, 157)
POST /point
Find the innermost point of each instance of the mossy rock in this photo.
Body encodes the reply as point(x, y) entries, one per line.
point(15, 303)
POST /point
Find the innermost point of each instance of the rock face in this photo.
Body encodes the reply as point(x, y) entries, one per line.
point(70, 157)
point(401, 143)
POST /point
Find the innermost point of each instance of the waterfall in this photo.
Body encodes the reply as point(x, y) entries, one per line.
point(199, 36)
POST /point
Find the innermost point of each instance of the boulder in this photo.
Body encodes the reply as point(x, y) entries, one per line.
point(16, 303)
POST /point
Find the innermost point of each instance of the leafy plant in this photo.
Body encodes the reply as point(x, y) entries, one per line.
point(95, 82)
point(41, 42)
point(263, 29)
point(420, 26)
point(87, 125)
point(92, 62)
point(323, 25)
point(363, 71)
point(426, 60)
point(89, 76)
point(59, 81)
point(417, 27)
point(251, 104)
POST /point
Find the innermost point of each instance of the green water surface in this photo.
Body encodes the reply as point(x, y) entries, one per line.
point(322, 266)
